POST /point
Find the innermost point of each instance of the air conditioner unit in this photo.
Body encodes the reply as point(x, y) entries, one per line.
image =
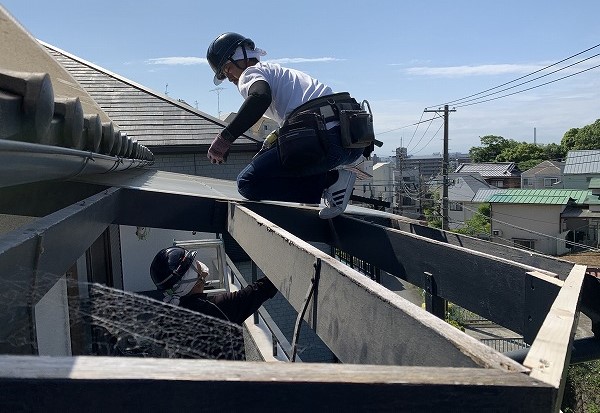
point(497, 232)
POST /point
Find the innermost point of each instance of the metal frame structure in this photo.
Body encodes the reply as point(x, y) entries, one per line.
point(363, 323)
point(394, 355)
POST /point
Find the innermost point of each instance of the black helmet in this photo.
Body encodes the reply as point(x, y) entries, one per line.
point(169, 266)
point(221, 49)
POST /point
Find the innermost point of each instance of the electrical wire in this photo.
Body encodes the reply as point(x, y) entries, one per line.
point(517, 79)
point(462, 104)
point(530, 88)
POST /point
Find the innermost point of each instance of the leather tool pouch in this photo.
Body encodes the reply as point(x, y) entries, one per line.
point(302, 141)
point(356, 125)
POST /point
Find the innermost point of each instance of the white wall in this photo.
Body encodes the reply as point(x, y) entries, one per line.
point(138, 250)
point(541, 219)
point(52, 329)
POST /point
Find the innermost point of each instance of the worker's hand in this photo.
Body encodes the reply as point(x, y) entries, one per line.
point(219, 150)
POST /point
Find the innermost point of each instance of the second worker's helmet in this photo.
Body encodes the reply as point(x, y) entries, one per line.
point(169, 266)
point(222, 48)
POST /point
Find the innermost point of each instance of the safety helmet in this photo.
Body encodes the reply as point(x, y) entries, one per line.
point(221, 50)
point(170, 265)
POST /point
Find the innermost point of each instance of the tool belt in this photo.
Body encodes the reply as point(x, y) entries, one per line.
point(302, 141)
point(356, 123)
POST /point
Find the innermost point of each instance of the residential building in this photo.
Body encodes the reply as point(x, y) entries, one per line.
point(540, 219)
point(581, 166)
point(384, 185)
point(498, 174)
point(462, 189)
point(545, 175)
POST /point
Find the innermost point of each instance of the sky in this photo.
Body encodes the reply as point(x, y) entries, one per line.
point(402, 57)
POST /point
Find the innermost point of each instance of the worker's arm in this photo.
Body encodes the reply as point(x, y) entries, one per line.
point(254, 106)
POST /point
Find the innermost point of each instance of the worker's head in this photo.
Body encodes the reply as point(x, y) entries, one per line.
point(231, 53)
point(175, 271)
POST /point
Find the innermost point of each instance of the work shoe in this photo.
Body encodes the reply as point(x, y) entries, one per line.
point(337, 195)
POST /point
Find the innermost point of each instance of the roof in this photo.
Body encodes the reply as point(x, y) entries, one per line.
point(490, 170)
point(149, 117)
point(577, 212)
point(540, 196)
point(484, 195)
point(380, 164)
point(545, 168)
point(583, 162)
point(466, 186)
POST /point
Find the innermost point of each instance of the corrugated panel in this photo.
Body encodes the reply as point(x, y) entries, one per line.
point(583, 162)
point(540, 196)
point(487, 169)
point(484, 195)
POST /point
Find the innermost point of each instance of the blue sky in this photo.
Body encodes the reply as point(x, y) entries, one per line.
point(401, 56)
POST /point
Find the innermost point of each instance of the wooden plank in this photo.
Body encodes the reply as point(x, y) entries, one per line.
point(351, 309)
point(143, 384)
point(549, 354)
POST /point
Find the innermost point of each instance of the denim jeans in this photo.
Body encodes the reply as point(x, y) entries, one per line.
point(265, 179)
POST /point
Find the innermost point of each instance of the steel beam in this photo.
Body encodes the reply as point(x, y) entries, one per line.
point(349, 309)
point(494, 288)
point(33, 257)
point(140, 384)
point(156, 209)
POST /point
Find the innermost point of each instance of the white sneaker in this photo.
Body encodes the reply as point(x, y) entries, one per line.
point(337, 195)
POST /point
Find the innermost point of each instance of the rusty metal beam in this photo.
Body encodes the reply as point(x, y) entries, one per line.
point(349, 309)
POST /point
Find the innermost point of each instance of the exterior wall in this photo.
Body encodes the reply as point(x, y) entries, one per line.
point(541, 219)
point(512, 182)
point(383, 188)
point(539, 181)
point(53, 336)
point(577, 181)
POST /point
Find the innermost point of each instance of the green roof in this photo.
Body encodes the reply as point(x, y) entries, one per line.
point(540, 196)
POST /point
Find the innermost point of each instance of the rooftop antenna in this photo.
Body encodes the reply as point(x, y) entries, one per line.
point(218, 90)
point(167, 89)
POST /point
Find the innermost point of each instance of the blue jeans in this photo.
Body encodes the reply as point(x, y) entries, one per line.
point(265, 179)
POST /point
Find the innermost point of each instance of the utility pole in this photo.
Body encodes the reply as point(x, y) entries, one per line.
point(445, 161)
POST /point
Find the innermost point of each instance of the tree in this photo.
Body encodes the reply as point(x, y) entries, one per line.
point(478, 223)
point(491, 146)
point(587, 137)
point(525, 155)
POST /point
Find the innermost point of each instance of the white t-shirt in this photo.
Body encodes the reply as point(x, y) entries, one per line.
point(289, 88)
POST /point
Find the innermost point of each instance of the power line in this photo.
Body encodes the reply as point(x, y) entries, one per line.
point(529, 81)
point(530, 88)
point(519, 78)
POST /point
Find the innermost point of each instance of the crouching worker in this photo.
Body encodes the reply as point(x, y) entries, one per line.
point(181, 278)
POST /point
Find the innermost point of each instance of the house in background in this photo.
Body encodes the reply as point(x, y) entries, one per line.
point(461, 191)
point(383, 183)
point(260, 129)
point(581, 166)
point(545, 175)
point(498, 174)
point(538, 219)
